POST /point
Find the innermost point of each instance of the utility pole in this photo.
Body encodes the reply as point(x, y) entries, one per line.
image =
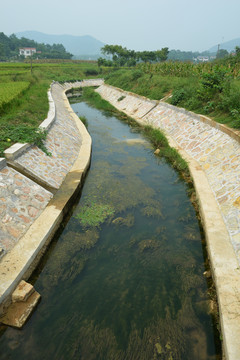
point(31, 60)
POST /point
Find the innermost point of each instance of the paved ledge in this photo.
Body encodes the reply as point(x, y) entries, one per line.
point(47, 123)
point(31, 214)
point(15, 150)
point(213, 152)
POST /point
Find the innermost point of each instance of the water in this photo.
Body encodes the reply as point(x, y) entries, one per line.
point(124, 278)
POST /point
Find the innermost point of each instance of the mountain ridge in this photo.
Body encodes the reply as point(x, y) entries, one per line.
point(228, 45)
point(77, 45)
point(87, 45)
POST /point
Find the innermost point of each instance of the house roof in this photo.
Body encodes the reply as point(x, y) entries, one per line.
point(27, 48)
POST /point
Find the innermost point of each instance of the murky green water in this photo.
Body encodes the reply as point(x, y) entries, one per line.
point(130, 288)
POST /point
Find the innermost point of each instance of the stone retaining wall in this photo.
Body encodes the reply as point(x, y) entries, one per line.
point(216, 152)
point(213, 153)
point(35, 189)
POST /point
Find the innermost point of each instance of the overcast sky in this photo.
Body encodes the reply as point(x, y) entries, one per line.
point(136, 24)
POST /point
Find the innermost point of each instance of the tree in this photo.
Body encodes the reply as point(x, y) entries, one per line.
point(162, 55)
point(122, 56)
point(222, 53)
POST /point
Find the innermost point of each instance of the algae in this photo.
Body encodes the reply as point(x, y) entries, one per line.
point(64, 264)
point(151, 211)
point(94, 214)
point(111, 186)
point(127, 221)
point(149, 244)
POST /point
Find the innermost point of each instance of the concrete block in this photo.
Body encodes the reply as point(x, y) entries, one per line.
point(16, 150)
point(22, 292)
point(18, 312)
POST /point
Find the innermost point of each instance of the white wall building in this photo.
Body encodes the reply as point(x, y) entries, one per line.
point(27, 51)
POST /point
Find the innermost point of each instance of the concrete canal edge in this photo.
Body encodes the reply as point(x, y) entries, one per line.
point(23, 258)
point(224, 263)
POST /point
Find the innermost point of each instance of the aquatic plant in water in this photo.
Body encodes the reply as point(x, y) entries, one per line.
point(127, 221)
point(94, 214)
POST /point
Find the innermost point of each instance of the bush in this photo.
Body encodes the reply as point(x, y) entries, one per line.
point(90, 72)
point(230, 100)
point(136, 74)
point(178, 96)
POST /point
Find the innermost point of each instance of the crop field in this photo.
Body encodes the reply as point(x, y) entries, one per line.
point(186, 69)
point(10, 90)
point(23, 95)
point(212, 89)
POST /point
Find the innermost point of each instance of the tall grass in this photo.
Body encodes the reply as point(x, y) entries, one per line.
point(209, 89)
point(158, 139)
point(153, 86)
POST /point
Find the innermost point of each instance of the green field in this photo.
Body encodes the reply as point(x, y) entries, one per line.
point(23, 95)
point(11, 90)
point(212, 89)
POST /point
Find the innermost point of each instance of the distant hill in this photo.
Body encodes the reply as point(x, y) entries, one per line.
point(76, 45)
point(228, 45)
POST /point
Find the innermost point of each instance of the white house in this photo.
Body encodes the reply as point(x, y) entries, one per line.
point(27, 51)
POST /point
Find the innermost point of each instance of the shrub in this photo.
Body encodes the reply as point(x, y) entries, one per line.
point(90, 72)
point(230, 100)
point(136, 74)
point(178, 96)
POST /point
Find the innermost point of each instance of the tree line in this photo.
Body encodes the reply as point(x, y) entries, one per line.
point(9, 49)
point(116, 55)
point(121, 56)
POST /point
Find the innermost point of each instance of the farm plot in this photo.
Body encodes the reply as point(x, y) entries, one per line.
point(10, 90)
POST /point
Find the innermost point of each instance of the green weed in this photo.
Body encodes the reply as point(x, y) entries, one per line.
point(93, 214)
point(11, 134)
point(84, 121)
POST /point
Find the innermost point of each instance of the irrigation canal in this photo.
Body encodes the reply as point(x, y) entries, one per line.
point(124, 277)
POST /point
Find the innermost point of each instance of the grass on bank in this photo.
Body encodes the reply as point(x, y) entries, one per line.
point(11, 90)
point(209, 90)
point(215, 92)
point(25, 104)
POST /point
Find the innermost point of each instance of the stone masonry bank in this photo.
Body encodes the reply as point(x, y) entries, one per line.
point(213, 153)
point(35, 191)
point(217, 153)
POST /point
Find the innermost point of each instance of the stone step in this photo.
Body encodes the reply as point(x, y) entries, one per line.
point(22, 291)
point(18, 312)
